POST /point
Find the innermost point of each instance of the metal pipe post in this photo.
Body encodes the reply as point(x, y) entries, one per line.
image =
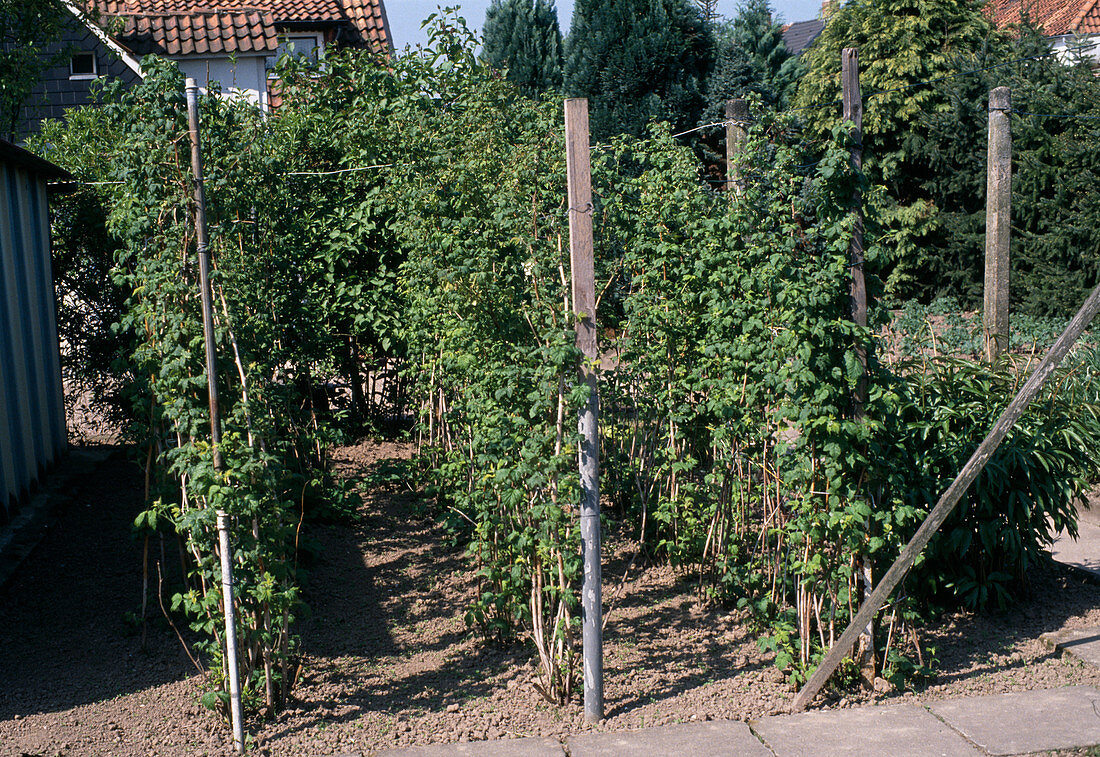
point(203, 250)
point(579, 171)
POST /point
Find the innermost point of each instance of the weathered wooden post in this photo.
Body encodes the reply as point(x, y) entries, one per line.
point(737, 118)
point(998, 224)
point(853, 112)
point(581, 257)
point(203, 250)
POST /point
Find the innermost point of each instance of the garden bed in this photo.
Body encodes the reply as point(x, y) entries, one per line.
point(389, 660)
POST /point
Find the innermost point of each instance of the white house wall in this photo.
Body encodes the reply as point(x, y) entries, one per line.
point(1089, 43)
point(246, 75)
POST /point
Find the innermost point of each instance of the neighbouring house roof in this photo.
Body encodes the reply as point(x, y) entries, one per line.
point(798, 36)
point(1053, 17)
point(180, 28)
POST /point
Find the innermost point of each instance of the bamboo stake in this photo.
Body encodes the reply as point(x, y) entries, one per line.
point(584, 303)
point(202, 244)
point(949, 499)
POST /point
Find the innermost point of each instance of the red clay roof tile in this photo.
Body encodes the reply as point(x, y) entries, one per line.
point(179, 28)
point(1054, 17)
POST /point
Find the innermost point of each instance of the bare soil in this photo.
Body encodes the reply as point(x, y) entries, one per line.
point(389, 660)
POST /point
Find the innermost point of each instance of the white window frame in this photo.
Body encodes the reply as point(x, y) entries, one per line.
point(283, 39)
point(95, 66)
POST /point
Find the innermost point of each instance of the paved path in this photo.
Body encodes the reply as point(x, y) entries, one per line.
point(1084, 551)
point(1001, 724)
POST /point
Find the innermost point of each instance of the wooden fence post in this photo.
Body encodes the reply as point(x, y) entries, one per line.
point(737, 117)
point(582, 265)
point(203, 250)
point(853, 112)
point(998, 228)
point(950, 498)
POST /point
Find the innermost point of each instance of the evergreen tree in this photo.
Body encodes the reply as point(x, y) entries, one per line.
point(523, 37)
point(903, 44)
point(636, 60)
point(752, 59)
point(1055, 181)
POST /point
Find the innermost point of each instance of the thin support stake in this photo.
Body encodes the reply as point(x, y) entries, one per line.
point(998, 224)
point(579, 173)
point(203, 249)
point(949, 500)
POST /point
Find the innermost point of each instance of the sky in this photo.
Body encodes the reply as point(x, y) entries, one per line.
point(405, 15)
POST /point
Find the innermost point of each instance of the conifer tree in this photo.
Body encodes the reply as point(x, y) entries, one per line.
point(902, 44)
point(523, 37)
point(752, 59)
point(636, 60)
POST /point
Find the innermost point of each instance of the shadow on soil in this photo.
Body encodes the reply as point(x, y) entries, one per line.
point(64, 637)
point(969, 646)
point(371, 582)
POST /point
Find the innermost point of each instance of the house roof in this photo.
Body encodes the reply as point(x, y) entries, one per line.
point(180, 28)
point(798, 36)
point(1054, 17)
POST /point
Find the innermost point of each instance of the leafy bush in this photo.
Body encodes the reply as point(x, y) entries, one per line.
point(1028, 490)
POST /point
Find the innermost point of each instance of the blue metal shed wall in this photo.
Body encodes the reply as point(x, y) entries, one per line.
point(32, 413)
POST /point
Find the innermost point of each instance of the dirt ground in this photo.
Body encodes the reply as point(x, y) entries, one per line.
point(389, 660)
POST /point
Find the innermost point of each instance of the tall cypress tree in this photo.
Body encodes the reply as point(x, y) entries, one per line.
point(636, 60)
point(523, 37)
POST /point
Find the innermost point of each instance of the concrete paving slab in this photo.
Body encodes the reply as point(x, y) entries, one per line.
point(1029, 721)
point(898, 731)
point(1082, 643)
point(532, 747)
point(1082, 552)
point(711, 738)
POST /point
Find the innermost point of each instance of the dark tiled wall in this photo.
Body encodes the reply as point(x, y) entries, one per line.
point(56, 92)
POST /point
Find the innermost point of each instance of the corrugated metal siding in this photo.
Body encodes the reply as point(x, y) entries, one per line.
point(32, 417)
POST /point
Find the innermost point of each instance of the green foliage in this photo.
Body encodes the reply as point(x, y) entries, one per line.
point(522, 37)
point(730, 410)
point(751, 60)
point(902, 44)
point(1026, 492)
point(1055, 230)
point(637, 60)
point(407, 219)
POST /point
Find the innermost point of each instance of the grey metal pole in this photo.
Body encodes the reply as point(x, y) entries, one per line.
point(579, 171)
point(998, 224)
point(203, 249)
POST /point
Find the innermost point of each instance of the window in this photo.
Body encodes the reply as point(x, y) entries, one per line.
point(298, 45)
point(83, 66)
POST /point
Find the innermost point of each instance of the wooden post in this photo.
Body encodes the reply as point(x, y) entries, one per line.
point(203, 250)
point(949, 499)
point(853, 112)
point(581, 263)
point(737, 118)
point(998, 212)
